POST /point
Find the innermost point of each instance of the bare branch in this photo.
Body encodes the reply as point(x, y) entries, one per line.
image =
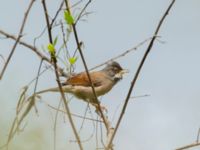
point(3, 59)
point(82, 11)
point(58, 80)
point(35, 50)
point(75, 115)
point(198, 134)
point(106, 122)
point(188, 146)
point(137, 74)
point(56, 15)
point(36, 81)
point(197, 143)
point(123, 54)
point(18, 38)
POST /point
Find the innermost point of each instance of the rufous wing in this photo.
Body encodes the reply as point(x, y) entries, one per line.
point(83, 80)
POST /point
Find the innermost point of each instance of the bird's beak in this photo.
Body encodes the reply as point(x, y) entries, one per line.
point(124, 71)
point(121, 73)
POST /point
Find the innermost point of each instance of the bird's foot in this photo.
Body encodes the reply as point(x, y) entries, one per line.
point(102, 107)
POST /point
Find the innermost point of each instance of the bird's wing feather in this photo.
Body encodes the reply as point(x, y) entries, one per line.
point(82, 79)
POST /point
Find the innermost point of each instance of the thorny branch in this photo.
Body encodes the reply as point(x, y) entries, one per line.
point(109, 145)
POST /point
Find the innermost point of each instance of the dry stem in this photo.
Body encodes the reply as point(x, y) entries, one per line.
point(17, 39)
point(137, 74)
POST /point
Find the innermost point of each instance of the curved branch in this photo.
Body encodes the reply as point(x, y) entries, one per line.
point(137, 74)
point(58, 80)
point(106, 122)
point(35, 50)
point(17, 39)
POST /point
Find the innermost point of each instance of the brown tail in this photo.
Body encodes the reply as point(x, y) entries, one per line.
point(56, 89)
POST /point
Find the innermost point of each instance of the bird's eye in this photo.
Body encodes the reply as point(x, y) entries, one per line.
point(115, 69)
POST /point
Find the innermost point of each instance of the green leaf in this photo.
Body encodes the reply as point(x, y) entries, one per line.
point(68, 17)
point(51, 48)
point(73, 60)
point(55, 41)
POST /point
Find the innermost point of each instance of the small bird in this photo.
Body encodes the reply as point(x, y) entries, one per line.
point(102, 80)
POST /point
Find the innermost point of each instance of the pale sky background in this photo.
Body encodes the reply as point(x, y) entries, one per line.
point(167, 119)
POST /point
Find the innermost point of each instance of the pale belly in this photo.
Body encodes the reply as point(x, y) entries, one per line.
point(87, 92)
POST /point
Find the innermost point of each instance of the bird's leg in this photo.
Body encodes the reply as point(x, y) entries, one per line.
point(102, 107)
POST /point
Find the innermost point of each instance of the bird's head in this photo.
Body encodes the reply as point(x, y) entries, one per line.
point(115, 71)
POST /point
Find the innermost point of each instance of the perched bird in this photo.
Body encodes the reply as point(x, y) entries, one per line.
point(103, 81)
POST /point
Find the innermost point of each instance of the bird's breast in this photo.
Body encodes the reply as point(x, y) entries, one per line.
point(83, 92)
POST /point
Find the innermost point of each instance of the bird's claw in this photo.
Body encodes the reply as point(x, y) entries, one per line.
point(102, 107)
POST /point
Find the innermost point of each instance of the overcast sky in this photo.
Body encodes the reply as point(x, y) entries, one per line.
point(167, 119)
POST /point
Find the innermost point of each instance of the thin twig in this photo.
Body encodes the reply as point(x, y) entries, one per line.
point(188, 146)
point(134, 97)
point(43, 71)
point(109, 145)
point(65, 41)
point(3, 59)
point(75, 115)
point(18, 38)
point(36, 82)
point(82, 11)
point(76, 4)
point(60, 70)
point(84, 118)
point(55, 125)
point(56, 15)
point(96, 135)
point(191, 145)
point(123, 54)
point(83, 121)
point(35, 50)
point(106, 122)
point(140, 96)
point(58, 80)
point(18, 120)
point(198, 134)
